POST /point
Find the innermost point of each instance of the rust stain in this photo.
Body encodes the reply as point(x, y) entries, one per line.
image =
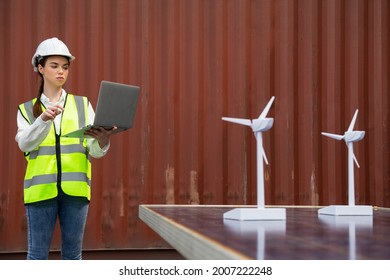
point(314, 194)
point(170, 185)
point(121, 195)
point(194, 193)
point(266, 175)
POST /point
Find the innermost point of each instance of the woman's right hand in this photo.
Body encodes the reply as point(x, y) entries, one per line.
point(51, 112)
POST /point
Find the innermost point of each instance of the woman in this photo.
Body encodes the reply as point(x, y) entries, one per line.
point(58, 175)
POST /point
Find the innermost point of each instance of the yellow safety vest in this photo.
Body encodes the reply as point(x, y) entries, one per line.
point(59, 162)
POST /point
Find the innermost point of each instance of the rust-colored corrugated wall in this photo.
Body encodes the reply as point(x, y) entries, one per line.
point(197, 61)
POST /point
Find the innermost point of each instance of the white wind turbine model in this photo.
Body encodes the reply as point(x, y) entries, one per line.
point(350, 136)
point(258, 126)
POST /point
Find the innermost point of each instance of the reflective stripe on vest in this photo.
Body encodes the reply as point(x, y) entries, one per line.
point(59, 161)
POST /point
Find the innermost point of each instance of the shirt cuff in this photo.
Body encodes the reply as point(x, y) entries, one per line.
point(41, 121)
point(95, 150)
point(105, 148)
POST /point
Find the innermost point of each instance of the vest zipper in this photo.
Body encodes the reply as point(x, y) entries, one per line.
point(59, 167)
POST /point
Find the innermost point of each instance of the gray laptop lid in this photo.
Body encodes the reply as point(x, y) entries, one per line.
point(116, 107)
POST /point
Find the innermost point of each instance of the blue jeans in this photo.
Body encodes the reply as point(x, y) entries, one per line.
point(41, 219)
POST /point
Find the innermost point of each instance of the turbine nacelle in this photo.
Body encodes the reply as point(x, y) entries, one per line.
point(354, 136)
point(262, 124)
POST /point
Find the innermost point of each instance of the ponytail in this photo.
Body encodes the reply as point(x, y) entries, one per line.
point(37, 109)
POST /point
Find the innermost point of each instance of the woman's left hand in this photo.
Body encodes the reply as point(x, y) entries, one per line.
point(101, 134)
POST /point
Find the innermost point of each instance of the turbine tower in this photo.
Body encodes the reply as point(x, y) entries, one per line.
point(350, 136)
point(259, 125)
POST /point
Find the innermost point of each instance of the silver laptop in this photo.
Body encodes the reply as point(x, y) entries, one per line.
point(116, 107)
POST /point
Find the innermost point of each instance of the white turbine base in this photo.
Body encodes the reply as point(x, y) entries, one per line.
point(255, 214)
point(346, 210)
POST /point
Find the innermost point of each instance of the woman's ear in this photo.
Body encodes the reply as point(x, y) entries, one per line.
point(40, 68)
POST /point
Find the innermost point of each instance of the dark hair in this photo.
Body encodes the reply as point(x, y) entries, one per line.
point(37, 109)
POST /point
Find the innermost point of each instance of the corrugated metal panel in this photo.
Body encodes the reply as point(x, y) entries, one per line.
point(197, 61)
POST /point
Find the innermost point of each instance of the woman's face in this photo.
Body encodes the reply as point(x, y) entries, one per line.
point(55, 72)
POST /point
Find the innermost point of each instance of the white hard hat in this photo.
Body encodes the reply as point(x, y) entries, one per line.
point(52, 46)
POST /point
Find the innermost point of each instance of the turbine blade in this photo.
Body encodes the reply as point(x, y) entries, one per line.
point(334, 136)
point(356, 161)
point(239, 121)
point(266, 109)
point(354, 158)
point(265, 157)
point(352, 124)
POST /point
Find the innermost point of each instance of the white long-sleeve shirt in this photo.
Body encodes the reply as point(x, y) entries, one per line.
point(29, 137)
